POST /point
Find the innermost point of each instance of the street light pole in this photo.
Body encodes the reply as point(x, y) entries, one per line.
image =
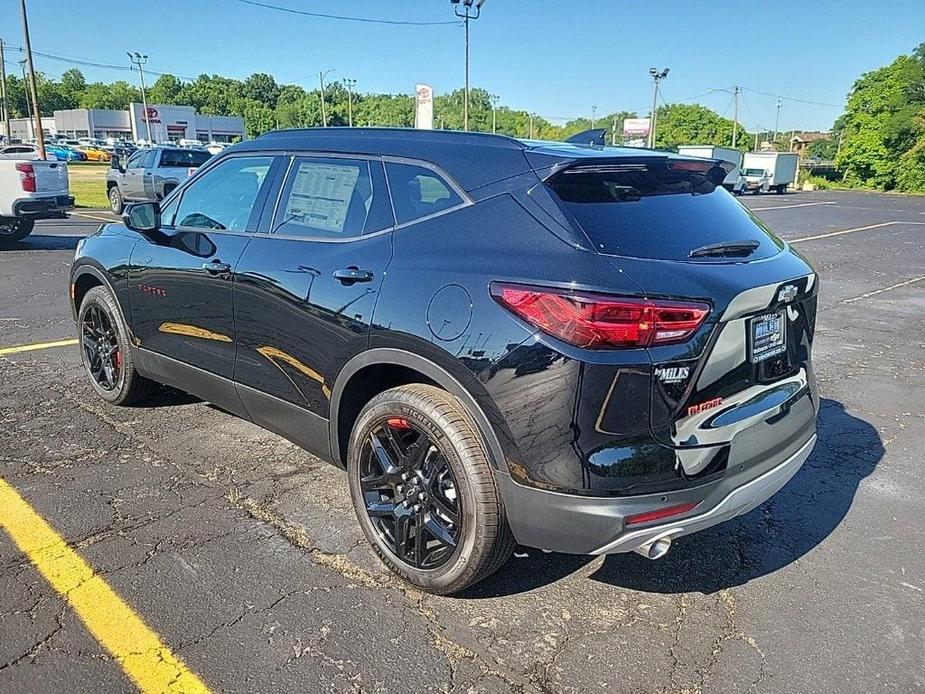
point(466, 15)
point(656, 78)
point(324, 115)
point(593, 116)
point(25, 90)
point(138, 60)
point(37, 112)
point(4, 100)
point(777, 119)
point(350, 85)
point(494, 114)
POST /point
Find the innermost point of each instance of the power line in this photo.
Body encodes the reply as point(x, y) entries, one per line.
point(86, 62)
point(365, 20)
point(792, 98)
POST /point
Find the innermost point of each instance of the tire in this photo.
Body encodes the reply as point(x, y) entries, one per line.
point(13, 229)
point(128, 386)
point(484, 541)
point(115, 200)
point(780, 189)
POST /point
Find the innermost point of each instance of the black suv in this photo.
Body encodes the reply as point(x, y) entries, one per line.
point(582, 349)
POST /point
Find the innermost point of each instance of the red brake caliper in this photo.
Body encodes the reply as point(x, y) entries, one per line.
point(398, 423)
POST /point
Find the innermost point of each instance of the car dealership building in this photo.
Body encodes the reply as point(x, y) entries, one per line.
point(168, 124)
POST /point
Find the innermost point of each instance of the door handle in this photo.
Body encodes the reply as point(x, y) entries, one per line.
point(216, 267)
point(351, 275)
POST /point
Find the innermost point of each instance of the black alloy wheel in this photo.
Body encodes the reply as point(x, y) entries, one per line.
point(410, 493)
point(100, 343)
point(423, 489)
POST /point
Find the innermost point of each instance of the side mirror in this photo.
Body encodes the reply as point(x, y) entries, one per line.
point(143, 217)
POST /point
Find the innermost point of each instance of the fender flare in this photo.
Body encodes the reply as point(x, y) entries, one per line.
point(433, 371)
point(88, 269)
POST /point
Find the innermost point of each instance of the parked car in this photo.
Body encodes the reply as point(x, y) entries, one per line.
point(21, 151)
point(63, 153)
point(94, 153)
point(582, 349)
point(216, 147)
point(68, 142)
point(31, 190)
point(150, 174)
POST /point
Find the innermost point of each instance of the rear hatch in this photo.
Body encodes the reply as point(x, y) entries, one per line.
point(50, 177)
point(669, 225)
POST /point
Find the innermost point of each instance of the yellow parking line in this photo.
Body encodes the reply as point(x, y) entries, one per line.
point(146, 659)
point(37, 345)
point(109, 220)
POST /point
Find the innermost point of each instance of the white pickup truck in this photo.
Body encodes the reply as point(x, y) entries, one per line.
point(29, 190)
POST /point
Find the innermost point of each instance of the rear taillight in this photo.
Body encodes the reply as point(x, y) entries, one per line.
point(27, 177)
point(601, 321)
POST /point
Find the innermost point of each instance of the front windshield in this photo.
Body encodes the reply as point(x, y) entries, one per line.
point(754, 172)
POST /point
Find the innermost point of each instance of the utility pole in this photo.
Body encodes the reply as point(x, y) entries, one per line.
point(777, 119)
point(613, 131)
point(350, 85)
point(656, 78)
point(756, 137)
point(324, 115)
point(37, 113)
point(138, 60)
point(494, 114)
point(593, 116)
point(531, 127)
point(735, 115)
point(4, 101)
point(466, 15)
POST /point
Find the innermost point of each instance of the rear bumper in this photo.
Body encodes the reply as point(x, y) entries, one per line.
point(595, 525)
point(47, 207)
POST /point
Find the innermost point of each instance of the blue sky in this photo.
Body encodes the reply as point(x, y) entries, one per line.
point(555, 58)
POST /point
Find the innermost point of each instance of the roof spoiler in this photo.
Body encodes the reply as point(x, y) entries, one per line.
point(589, 138)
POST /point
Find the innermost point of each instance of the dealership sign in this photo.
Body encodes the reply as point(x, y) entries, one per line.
point(636, 126)
point(424, 107)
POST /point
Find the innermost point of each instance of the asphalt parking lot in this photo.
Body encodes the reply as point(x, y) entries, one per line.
point(242, 554)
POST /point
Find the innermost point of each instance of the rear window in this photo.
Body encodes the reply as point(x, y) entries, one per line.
point(649, 210)
point(184, 158)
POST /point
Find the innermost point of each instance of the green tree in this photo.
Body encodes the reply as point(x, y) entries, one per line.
point(261, 87)
point(693, 124)
point(165, 90)
point(71, 86)
point(884, 127)
point(115, 96)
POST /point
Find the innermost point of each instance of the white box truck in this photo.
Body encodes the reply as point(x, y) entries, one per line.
point(733, 181)
point(767, 171)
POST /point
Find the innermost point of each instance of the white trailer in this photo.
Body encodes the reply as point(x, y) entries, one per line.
point(733, 156)
point(767, 171)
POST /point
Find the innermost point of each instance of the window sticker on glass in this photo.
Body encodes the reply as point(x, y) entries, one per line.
point(321, 195)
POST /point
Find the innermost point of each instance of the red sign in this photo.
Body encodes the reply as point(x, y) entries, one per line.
point(152, 116)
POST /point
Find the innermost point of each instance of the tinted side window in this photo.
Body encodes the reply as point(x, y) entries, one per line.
point(418, 191)
point(135, 160)
point(333, 198)
point(149, 159)
point(224, 197)
point(184, 158)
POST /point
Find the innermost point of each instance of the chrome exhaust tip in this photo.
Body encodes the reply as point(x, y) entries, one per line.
point(655, 549)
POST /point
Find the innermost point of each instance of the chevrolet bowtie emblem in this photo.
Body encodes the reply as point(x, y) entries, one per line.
point(787, 293)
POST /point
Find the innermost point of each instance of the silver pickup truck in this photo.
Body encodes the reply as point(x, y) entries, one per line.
point(150, 174)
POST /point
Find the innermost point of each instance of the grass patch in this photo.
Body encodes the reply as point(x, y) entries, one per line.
point(88, 183)
point(90, 193)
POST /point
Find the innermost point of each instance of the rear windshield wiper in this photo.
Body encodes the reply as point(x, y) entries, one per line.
point(734, 248)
